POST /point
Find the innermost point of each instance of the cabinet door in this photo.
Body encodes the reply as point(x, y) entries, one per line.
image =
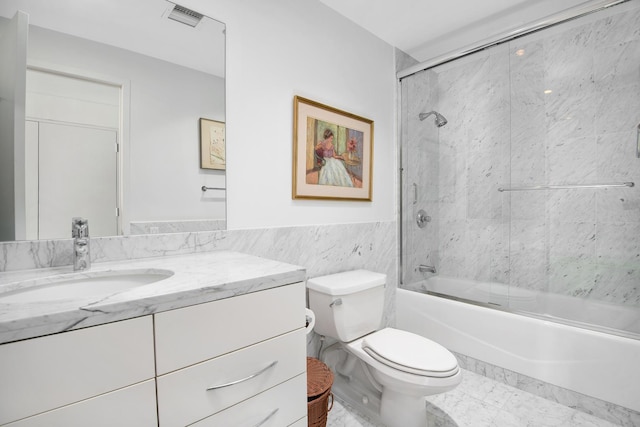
point(133, 406)
point(279, 406)
point(196, 392)
point(45, 373)
point(200, 332)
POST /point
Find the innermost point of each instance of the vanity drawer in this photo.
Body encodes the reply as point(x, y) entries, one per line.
point(193, 334)
point(183, 397)
point(279, 406)
point(133, 406)
point(44, 373)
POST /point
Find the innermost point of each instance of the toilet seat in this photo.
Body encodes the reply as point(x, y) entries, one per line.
point(410, 353)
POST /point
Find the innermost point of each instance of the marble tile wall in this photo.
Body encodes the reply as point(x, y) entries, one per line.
point(458, 169)
point(322, 249)
point(560, 106)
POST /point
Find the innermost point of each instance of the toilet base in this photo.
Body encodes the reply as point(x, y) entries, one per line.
point(355, 389)
point(373, 392)
point(402, 410)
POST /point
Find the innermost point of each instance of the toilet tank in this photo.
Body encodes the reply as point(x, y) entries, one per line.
point(347, 305)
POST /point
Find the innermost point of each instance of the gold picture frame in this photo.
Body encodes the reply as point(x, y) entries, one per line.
point(332, 153)
point(212, 144)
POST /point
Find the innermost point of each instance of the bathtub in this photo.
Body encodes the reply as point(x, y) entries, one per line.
point(597, 364)
point(603, 316)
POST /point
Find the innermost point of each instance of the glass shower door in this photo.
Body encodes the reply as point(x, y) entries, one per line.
point(528, 185)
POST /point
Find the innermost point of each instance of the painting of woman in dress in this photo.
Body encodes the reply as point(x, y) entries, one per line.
point(335, 151)
point(332, 153)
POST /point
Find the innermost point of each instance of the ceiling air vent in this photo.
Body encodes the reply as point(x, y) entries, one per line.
point(186, 16)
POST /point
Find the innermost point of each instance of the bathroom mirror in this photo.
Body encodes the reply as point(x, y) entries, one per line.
point(114, 95)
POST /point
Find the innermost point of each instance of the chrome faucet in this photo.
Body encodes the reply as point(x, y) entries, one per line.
point(427, 268)
point(81, 253)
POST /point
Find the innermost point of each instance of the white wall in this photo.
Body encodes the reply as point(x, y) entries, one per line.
point(280, 48)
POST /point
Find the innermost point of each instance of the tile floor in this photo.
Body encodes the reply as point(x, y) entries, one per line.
point(481, 402)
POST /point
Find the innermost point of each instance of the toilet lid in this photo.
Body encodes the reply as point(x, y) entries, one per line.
point(410, 353)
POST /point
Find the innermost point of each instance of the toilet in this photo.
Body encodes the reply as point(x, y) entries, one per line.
point(404, 366)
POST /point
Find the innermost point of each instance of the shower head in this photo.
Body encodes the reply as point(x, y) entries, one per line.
point(440, 120)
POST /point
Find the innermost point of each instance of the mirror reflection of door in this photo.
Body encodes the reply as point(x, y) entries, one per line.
point(77, 177)
point(72, 158)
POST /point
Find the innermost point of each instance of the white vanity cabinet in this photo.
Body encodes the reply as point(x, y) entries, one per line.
point(237, 361)
point(82, 377)
point(212, 356)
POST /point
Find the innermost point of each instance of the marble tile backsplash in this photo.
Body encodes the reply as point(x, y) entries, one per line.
point(160, 227)
point(322, 249)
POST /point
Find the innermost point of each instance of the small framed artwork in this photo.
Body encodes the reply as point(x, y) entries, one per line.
point(332, 153)
point(212, 144)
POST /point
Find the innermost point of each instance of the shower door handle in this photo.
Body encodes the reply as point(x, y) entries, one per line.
point(415, 192)
point(638, 142)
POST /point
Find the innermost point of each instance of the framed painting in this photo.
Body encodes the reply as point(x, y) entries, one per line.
point(212, 144)
point(332, 153)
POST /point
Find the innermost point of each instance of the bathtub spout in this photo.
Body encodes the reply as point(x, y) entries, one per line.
point(427, 268)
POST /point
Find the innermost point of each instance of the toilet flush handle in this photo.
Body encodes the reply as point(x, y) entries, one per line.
point(336, 302)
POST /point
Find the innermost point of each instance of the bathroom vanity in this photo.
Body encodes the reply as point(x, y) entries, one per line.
point(218, 340)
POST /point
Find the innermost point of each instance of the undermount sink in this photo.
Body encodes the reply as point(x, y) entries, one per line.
point(83, 285)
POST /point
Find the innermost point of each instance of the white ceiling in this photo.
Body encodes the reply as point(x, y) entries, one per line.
point(426, 29)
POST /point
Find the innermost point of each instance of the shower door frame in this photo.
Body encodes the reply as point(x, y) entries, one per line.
point(559, 18)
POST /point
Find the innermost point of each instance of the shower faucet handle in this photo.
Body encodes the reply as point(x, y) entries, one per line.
point(422, 218)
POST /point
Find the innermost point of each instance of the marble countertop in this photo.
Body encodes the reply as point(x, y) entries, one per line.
point(196, 279)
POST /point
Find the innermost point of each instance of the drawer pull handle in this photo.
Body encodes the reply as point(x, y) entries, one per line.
point(267, 418)
point(215, 387)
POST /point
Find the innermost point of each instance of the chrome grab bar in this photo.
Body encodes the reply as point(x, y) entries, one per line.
point(568, 186)
point(215, 387)
point(205, 188)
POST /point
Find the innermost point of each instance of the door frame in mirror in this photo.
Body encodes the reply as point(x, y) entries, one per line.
point(123, 161)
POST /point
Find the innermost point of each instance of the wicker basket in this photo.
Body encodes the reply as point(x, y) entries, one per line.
point(319, 381)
